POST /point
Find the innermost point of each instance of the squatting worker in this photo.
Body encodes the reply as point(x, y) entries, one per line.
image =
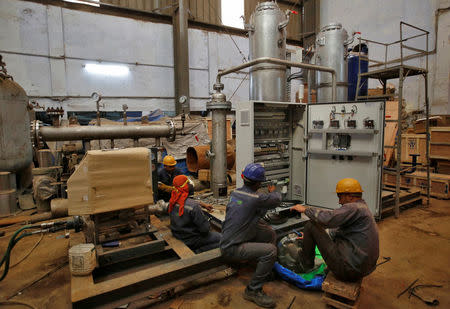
point(187, 221)
point(353, 248)
point(166, 174)
point(245, 236)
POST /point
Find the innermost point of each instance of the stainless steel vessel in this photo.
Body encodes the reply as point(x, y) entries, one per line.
point(15, 143)
point(331, 51)
point(267, 35)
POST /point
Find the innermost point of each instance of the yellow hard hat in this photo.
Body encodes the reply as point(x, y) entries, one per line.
point(348, 185)
point(169, 161)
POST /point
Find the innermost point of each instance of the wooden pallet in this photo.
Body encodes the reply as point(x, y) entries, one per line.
point(408, 198)
point(175, 266)
point(339, 294)
point(440, 183)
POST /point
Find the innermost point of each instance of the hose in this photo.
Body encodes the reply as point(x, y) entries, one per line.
point(12, 242)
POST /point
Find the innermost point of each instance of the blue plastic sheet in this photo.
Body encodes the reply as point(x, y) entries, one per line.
point(293, 278)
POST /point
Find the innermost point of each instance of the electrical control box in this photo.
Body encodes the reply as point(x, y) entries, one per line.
point(307, 148)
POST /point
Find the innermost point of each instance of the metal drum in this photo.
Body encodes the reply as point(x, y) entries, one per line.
point(331, 51)
point(267, 35)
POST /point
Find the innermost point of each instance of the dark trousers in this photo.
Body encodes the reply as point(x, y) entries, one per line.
point(314, 234)
point(202, 244)
point(261, 249)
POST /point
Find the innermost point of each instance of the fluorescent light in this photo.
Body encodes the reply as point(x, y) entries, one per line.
point(88, 2)
point(107, 69)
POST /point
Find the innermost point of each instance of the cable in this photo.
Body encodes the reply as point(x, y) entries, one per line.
point(29, 252)
point(235, 44)
point(16, 302)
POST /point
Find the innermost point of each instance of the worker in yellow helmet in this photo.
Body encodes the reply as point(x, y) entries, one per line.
point(166, 174)
point(351, 246)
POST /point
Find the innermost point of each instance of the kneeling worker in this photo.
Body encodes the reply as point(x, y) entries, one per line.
point(187, 221)
point(246, 237)
point(166, 174)
point(352, 251)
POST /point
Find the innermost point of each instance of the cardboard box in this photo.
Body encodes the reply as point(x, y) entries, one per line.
point(108, 180)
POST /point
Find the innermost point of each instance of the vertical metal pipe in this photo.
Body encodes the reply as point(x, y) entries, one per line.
point(399, 143)
point(218, 154)
point(181, 57)
point(219, 149)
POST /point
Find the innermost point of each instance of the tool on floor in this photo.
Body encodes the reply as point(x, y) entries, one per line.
point(412, 291)
point(386, 259)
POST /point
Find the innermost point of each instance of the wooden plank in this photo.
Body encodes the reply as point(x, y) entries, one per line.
point(440, 150)
point(177, 245)
point(88, 290)
point(440, 135)
point(349, 290)
point(390, 130)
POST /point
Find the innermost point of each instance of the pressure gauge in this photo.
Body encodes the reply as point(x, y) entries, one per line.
point(182, 99)
point(95, 96)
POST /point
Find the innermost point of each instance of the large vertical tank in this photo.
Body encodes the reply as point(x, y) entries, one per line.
point(331, 51)
point(267, 34)
point(15, 143)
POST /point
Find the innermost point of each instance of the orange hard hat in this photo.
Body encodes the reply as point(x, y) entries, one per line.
point(169, 161)
point(348, 185)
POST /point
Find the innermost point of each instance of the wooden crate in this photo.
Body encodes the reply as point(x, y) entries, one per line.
point(340, 294)
point(435, 121)
point(440, 143)
point(443, 167)
point(440, 183)
point(414, 144)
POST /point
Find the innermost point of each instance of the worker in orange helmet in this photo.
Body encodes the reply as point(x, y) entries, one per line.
point(187, 220)
point(351, 247)
point(166, 174)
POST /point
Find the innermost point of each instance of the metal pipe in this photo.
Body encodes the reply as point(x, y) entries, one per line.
point(106, 132)
point(281, 62)
point(218, 147)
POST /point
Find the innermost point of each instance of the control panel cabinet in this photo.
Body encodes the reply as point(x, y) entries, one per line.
point(307, 148)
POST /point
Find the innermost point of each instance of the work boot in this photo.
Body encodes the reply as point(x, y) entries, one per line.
point(259, 297)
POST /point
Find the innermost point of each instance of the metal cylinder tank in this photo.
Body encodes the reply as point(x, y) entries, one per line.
point(331, 51)
point(267, 35)
point(15, 143)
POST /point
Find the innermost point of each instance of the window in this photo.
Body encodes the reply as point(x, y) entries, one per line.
point(232, 12)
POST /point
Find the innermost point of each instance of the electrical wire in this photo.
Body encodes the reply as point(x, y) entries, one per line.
point(29, 252)
point(16, 302)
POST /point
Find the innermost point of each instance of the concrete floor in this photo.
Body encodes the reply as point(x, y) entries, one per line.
point(418, 243)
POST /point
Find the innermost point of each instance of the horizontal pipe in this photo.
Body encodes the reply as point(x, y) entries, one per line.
point(281, 62)
point(103, 132)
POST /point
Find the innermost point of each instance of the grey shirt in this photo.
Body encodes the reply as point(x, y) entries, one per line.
point(355, 233)
point(192, 224)
point(244, 210)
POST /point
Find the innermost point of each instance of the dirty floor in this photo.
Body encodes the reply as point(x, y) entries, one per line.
point(418, 244)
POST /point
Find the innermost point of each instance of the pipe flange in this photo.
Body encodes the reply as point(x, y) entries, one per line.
point(218, 105)
point(35, 135)
point(172, 131)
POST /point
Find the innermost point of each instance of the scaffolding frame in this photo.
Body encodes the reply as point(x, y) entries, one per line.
point(400, 71)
